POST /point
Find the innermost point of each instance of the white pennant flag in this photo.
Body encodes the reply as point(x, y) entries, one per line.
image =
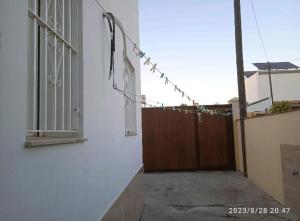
point(199, 117)
point(147, 62)
point(153, 69)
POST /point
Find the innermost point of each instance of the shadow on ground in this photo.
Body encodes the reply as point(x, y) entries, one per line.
point(205, 196)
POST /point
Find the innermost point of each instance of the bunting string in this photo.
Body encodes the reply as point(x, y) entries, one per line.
point(200, 109)
point(154, 69)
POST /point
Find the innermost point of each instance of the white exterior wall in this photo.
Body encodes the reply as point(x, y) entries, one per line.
point(285, 86)
point(264, 87)
point(251, 88)
point(76, 181)
point(260, 106)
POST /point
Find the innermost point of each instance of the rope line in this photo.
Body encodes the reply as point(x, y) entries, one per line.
point(141, 54)
point(147, 59)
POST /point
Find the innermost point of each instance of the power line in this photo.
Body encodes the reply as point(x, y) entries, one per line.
point(260, 35)
point(259, 32)
point(265, 51)
point(100, 4)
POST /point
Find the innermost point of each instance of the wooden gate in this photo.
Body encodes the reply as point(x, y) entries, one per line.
point(175, 141)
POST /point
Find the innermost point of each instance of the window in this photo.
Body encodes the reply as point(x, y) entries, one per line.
point(130, 98)
point(53, 106)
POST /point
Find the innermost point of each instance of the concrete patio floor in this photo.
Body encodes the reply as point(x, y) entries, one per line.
point(205, 196)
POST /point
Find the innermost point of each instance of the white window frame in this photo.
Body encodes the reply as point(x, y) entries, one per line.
point(130, 98)
point(54, 95)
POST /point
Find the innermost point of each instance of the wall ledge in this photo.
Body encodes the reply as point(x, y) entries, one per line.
point(50, 141)
point(270, 115)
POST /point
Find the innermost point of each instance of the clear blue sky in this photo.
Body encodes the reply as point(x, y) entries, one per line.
point(192, 41)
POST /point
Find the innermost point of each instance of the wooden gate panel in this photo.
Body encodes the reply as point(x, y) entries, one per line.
point(169, 140)
point(175, 141)
point(215, 142)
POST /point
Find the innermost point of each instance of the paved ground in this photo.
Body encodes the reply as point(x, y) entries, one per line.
point(205, 196)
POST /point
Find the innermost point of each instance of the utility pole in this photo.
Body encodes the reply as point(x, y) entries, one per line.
point(270, 83)
point(240, 77)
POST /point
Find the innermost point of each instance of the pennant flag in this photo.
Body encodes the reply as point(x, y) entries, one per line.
point(140, 54)
point(166, 81)
point(147, 62)
point(153, 69)
point(199, 118)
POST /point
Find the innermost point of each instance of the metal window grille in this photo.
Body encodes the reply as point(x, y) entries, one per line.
point(130, 98)
point(53, 81)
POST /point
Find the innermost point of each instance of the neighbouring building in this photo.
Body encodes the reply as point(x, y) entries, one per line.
point(70, 140)
point(285, 78)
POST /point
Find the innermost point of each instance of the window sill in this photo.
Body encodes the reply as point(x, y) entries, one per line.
point(130, 133)
point(47, 141)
